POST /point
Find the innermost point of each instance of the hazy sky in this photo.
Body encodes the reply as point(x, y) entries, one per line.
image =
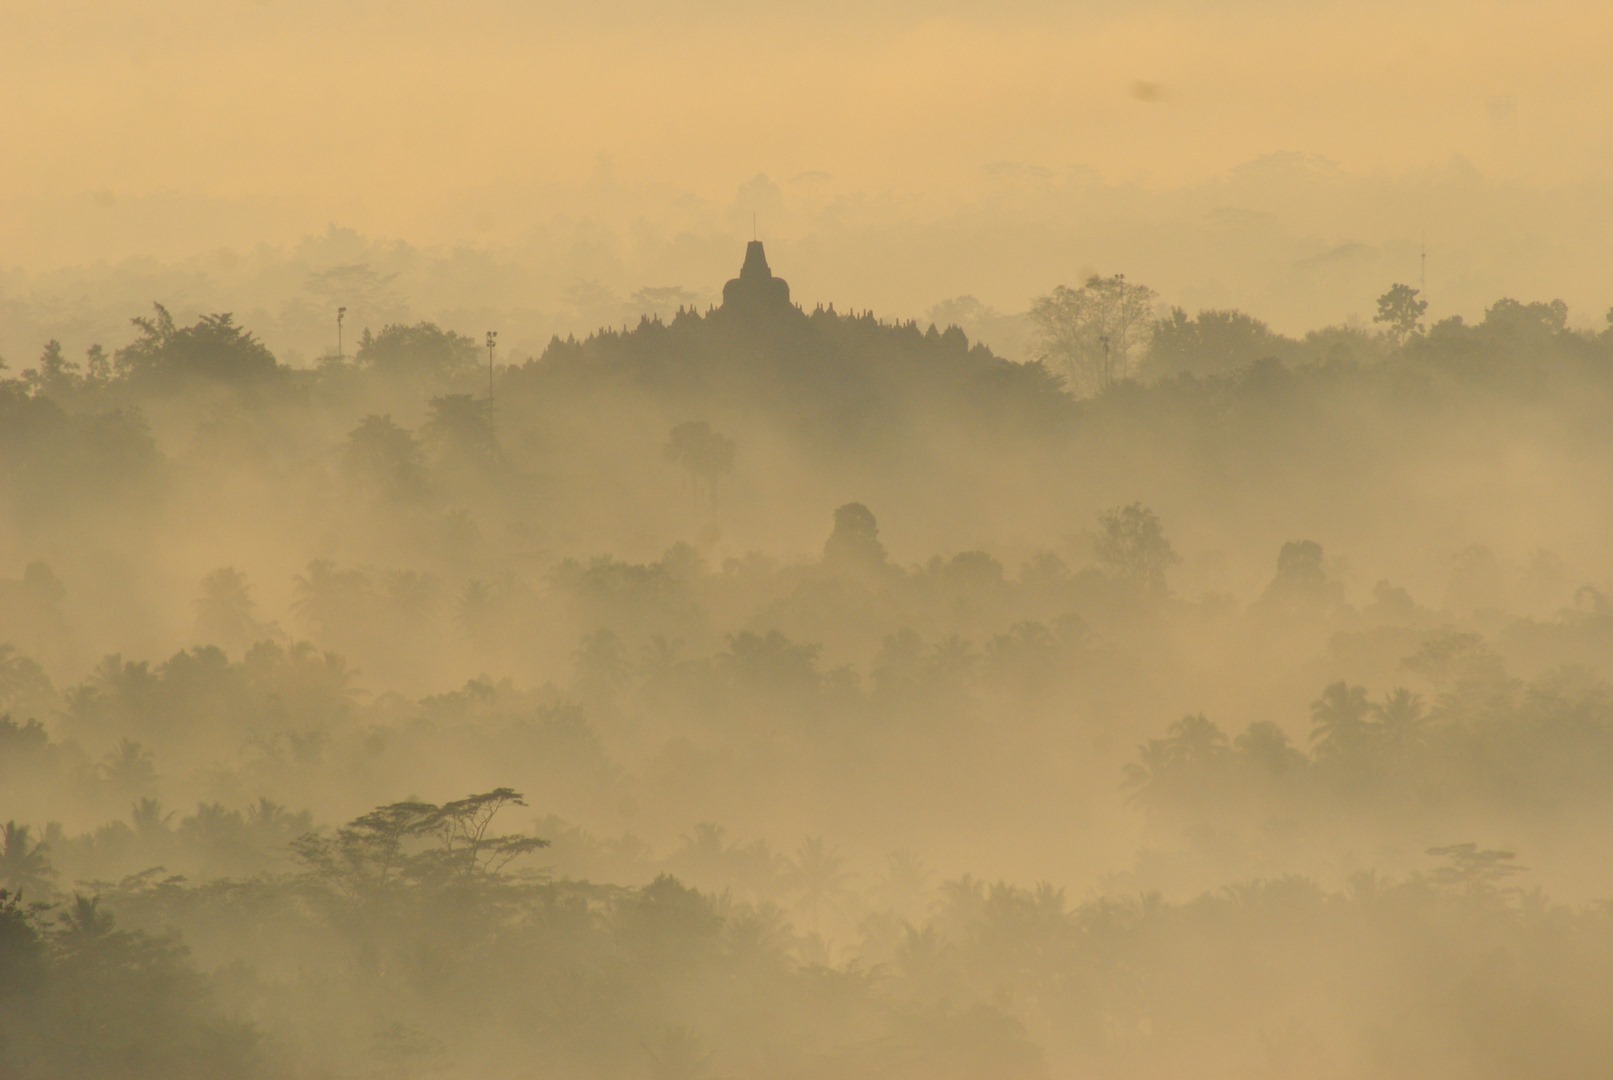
point(168, 128)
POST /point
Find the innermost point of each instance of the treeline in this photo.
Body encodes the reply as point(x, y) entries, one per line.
point(767, 739)
point(407, 942)
point(959, 691)
point(1492, 755)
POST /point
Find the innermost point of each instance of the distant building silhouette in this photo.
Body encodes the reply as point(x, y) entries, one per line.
point(755, 289)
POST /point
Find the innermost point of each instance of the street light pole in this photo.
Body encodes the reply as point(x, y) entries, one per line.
point(492, 339)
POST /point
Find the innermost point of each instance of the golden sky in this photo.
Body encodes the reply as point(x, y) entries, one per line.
point(438, 122)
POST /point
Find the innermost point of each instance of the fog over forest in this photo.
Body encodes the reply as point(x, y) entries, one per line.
point(820, 607)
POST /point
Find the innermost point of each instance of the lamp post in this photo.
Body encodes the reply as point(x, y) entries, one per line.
point(492, 340)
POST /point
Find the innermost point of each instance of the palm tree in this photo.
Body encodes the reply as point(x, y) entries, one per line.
point(266, 814)
point(1186, 763)
point(1402, 720)
point(1339, 725)
point(703, 854)
point(130, 688)
point(23, 865)
point(272, 827)
point(325, 595)
point(148, 818)
point(84, 923)
point(907, 882)
point(215, 833)
point(1265, 747)
point(1148, 779)
point(224, 610)
point(819, 877)
point(128, 767)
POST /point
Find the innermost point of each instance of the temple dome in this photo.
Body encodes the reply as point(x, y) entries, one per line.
point(755, 288)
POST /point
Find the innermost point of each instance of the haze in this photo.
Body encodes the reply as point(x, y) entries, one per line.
point(1281, 158)
point(966, 541)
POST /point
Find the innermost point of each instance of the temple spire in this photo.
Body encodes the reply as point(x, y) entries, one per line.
point(755, 289)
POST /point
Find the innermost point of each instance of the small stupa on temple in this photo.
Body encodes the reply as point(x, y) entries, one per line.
point(755, 289)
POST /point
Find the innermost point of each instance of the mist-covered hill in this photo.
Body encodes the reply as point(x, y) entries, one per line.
point(760, 689)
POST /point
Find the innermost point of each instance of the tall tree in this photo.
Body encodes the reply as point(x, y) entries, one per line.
point(24, 863)
point(461, 427)
point(819, 877)
point(1340, 725)
point(1132, 547)
point(1401, 311)
point(381, 457)
point(1097, 333)
point(706, 454)
point(853, 546)
point(55, 376)
point(224, 610)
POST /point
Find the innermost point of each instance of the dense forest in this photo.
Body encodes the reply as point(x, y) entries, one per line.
point(764, 690)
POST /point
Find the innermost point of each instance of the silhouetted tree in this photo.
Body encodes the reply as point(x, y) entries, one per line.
point(224, 610)
point(853, 546)
point(24, 863)
point(1210, 343)
point(1131, 546)
point(819, 878)
point(1339, 723)
point(1474, 869)
point(213, 348)
point(149, 820)
point(128, 768)
point(704, 453)
point(1095, 333)
point(97, 367)
point(1301, 583)
point(417, 842)
point(1402, 721)
point(23, 683)
point(422, 351)
point(382, 457)
point(326, 597)
point(1539, 319)
point(461, 427)
point(54, 376)
point(1401, 311)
